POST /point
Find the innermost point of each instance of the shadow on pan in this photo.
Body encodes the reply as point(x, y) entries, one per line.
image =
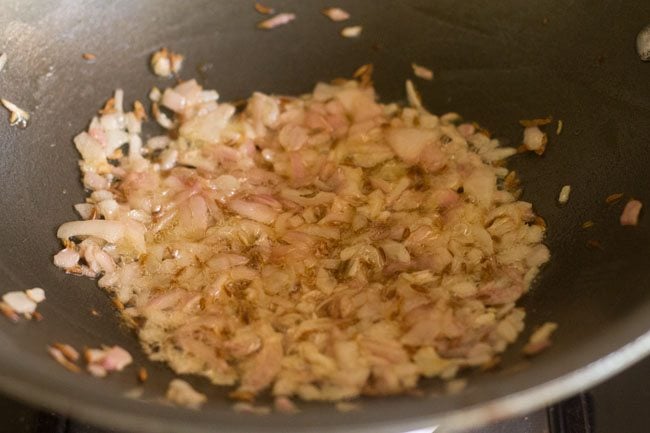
point(494, 64)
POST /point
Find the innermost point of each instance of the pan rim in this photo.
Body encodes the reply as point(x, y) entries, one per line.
point(516, 404)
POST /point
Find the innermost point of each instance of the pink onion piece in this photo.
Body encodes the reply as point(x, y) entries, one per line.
point(102, 361)
point(285, 405)
point(116, 358)
point(224, 261)
point(266, 199)
point(293, 137)
point(194, 215)
point(165, 300)
point(630, 215)
point(266, 365)
point(299, 174)
point(466, 130)
point(276, 21)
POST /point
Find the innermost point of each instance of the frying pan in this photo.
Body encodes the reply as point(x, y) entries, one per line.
point(494, 62)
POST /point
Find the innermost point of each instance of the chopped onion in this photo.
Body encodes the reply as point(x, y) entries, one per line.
point(209, 95)
point(276, 21)
point(90, 149)
point(254, 211)
point(85, 210)
point(630, 215)
point(396, 251)
point(336, 14)
point(59, 357)
point(115, 138)
point(285, 405)
point(293, 137)
point(422, 72)
point(260, 234)
point(413, 96)
point(264, 10)
point(168, 159)
point(165, 63)
point(480, 185)
point(18, 117)
point(116, 358)
point(158, 142)
point(351, 32)
point(173, 100)
point(208, 128)
point(409, 143)
point(643, 43)
point(102, 361)
point(69, 352)
point(162, 119)
point(155, 94)
point(66, 258)
point(226, 183)
point(19, 302)
point(90, 57)
point(564, 194)
point(540, 339)
point(190, 91)
point(245, 407)
point(535, 139)
point(94, 181)
point(181, 393)
point(118, 100)
point(110, 231)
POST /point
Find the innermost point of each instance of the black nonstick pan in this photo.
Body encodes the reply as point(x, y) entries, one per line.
point(494, 62)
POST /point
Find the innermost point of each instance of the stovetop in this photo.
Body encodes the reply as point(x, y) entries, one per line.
point(620, 405)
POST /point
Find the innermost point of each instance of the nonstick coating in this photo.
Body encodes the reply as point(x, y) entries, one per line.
point(494, 62)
